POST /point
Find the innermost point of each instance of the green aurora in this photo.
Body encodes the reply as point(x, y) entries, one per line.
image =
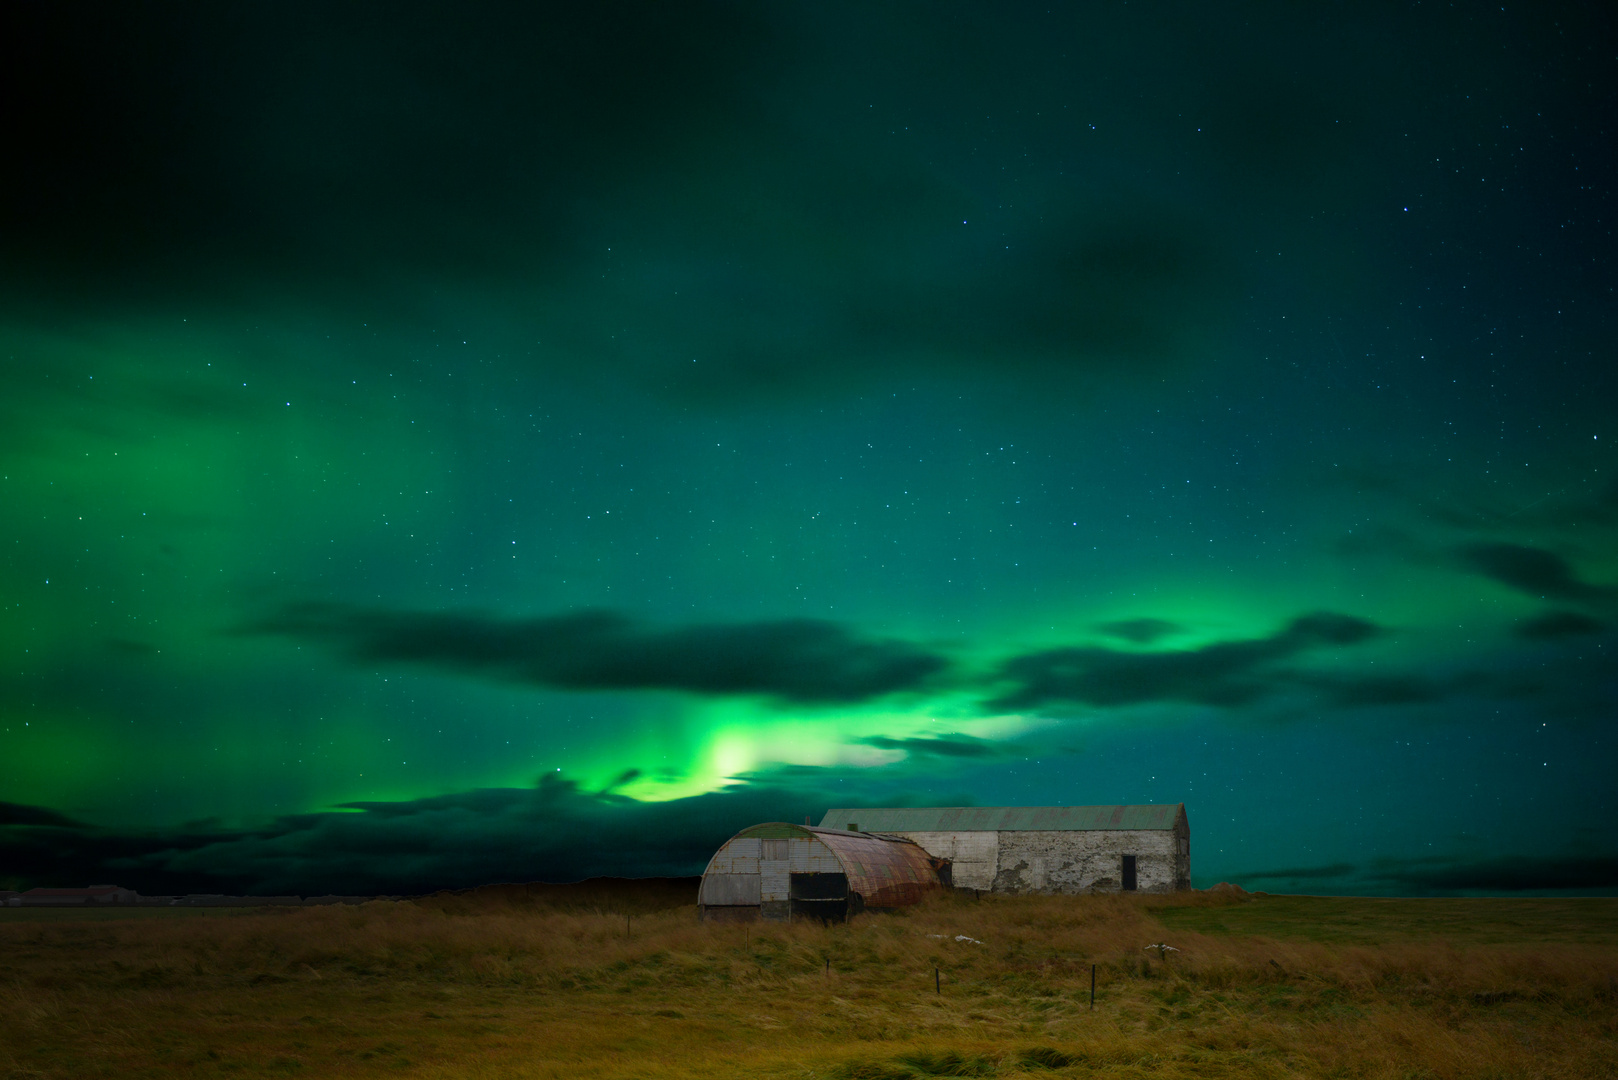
point(481, 442)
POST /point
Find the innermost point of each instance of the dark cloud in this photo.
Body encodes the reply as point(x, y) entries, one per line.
point(18, 814)
point(1357, 690)
point(335, 152)
point(1140, 631)
point(1225, 673)
point(1114, 293)
point(553, 831)
point(1300, 873)
point(958, 746)
point(1558, 624)
point(486, 142)
point(796, 659)
point(62, 853)
point(1527, 873)
point(1350, 691)
point(154, 133)
point(1530, 570)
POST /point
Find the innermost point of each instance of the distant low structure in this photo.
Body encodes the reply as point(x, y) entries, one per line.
point(95, 895)
point(1042, 849)
point(118, 896)
point(777, 871)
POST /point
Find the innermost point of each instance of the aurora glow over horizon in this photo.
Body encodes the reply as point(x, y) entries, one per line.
point(494, 441)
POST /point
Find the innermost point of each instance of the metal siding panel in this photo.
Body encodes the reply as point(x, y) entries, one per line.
point(818, 859)
point(775, 881)
point(801, 853)
point(739, 856)
point(824, 862)
point(729, 889)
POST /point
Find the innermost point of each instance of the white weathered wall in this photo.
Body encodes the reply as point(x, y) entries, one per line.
point(1064, 861)
point(1072, 861)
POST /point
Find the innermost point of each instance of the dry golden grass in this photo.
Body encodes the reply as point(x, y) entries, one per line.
point(506, 985)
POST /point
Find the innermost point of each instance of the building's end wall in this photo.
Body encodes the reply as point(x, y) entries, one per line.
point(1087, 861)
point(1062, 861)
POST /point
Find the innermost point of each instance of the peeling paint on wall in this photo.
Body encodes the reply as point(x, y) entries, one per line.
point(1079, 858)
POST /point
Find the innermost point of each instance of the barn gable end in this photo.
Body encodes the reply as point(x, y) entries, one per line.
point(1043, 849)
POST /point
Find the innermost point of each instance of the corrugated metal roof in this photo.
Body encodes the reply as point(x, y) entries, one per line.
point(887, 871)
point(907, 819)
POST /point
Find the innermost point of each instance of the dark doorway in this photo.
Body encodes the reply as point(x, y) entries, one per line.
point(820, 896)
point(1129, 873)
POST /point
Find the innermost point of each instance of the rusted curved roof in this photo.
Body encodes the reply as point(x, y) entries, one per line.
point(887, 871)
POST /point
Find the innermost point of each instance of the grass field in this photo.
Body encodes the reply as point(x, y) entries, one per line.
point(512, 984)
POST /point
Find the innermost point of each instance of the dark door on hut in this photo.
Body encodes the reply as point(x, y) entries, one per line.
point(821, 896)
point(1129, 873)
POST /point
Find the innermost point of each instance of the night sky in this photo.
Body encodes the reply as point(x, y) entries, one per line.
point(445, 443)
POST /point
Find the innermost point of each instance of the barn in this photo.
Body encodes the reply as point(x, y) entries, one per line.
point(777, 871)
point(1043, 849)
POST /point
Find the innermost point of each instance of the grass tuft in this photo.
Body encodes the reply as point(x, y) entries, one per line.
point(1047, 1057)
point(874, 1070)
point(947, 1063)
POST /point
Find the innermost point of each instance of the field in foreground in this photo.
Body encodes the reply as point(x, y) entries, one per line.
point(506, 984)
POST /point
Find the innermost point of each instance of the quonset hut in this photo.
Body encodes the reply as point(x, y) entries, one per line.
point(1043, 849)
point(776, 871)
